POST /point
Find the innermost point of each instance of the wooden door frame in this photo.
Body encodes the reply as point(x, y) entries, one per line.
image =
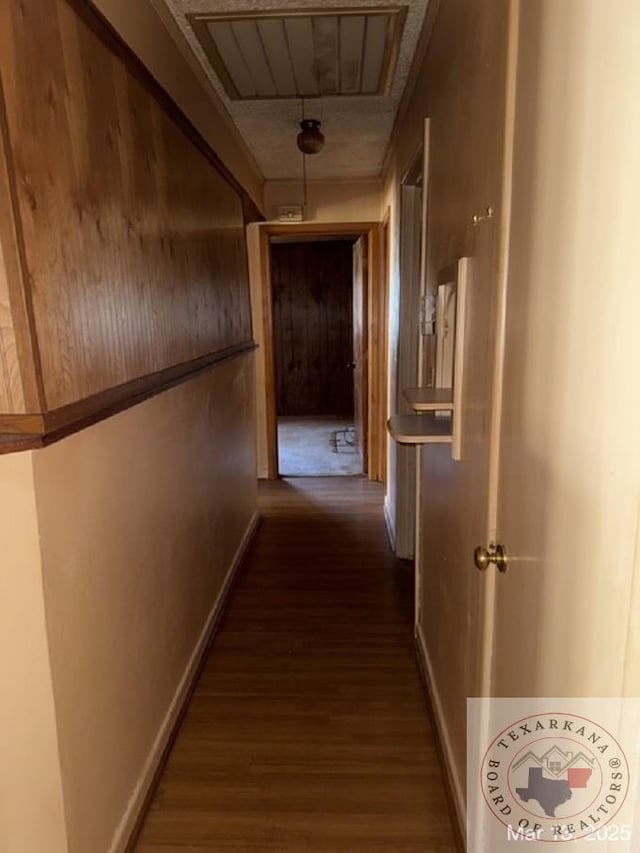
point(375, 335)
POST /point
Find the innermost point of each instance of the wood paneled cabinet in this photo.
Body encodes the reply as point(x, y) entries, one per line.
point(123, 257)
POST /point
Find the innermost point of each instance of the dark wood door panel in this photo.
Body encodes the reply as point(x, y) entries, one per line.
point(313, 328)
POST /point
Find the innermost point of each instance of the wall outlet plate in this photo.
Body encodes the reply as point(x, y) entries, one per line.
point(290, 213)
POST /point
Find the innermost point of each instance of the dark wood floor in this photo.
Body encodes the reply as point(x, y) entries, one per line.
point(308, 730)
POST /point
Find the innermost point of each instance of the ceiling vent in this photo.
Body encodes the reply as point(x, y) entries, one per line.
point(272, 55)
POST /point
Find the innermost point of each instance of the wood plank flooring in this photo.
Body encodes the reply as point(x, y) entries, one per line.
point(308, 729)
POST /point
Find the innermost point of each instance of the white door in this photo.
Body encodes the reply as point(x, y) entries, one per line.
point(569, 464)
point(563, 620)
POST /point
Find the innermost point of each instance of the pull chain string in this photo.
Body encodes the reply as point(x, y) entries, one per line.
point(304, 183)
point(304, 169)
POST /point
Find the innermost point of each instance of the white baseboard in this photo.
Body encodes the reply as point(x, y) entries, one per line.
point(456, 784)
point(136, 803)
point(387, 521)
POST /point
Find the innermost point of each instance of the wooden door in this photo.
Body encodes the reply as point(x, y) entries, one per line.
point(359, 361)
point(312, 322)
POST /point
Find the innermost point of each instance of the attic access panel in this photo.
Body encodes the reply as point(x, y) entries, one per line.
point(276, 55)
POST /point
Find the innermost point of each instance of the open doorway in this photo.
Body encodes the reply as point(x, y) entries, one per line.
point(319, 301)
point(369, 349)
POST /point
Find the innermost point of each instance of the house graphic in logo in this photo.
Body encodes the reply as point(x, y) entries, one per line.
point(567, 771)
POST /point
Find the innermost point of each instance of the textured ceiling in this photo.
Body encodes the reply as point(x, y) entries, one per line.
point(357, 129)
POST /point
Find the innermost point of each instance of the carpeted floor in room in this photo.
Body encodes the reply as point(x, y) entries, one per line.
point(317, 446)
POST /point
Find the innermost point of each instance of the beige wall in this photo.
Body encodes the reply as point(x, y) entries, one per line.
point(140, 518)
point(327, 201)
point(560, 489)
point(461, 89)
point(459, 86)
point(31, 802)
point(141, 26)
point(117, 544)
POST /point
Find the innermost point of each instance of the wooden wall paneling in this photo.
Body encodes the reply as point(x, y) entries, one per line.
point(271, 421)
point(311, 285)
point(134, 239)
point(20, 391)
point(11, 391)
point(287, 370)
point(89, 12)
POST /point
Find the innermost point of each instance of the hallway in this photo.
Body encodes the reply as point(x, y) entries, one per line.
point(308, 729)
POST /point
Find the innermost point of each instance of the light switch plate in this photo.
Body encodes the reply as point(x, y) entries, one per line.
point(290, 213)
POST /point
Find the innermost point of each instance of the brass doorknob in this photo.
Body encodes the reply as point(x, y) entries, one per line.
point(496, 554)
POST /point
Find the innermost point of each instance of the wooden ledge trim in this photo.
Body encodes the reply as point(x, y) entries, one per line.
point(33, 431)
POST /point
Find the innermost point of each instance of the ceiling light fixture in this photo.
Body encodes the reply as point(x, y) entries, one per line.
point(310, 139)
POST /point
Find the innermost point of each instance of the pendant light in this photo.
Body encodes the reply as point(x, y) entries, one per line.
point(310, 141)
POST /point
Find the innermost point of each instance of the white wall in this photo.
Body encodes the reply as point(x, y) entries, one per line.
point(391, 208)
point(569, 493)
